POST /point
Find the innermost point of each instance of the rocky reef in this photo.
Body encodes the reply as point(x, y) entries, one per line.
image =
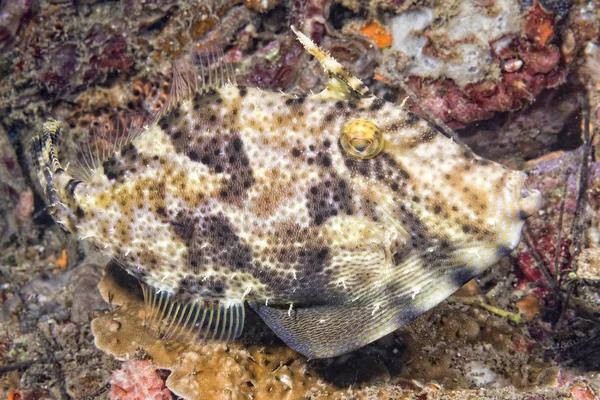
point(518, 81)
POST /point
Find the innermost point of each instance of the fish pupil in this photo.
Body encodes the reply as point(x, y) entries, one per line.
point(360, 145)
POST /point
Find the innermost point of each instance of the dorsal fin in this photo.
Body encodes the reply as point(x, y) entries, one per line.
point(342, 84)
point(198, 72)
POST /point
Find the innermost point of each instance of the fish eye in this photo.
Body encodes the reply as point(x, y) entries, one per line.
point(361, 139)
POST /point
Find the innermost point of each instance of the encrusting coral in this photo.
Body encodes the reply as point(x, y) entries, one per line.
point(465, 62)
point(138, 380)
point(198, 370)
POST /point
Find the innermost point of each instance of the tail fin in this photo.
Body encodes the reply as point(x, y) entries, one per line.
point(57, 183)
point(46, 161)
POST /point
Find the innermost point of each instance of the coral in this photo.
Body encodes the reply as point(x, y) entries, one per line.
point(582, 392)
point(555, 175)
point(452, 346)
point(356, 51)
point(589, 261)
point(24, 207)
point(553, 266)
point(551, 122)
point(261, 5)
point(89, 60)
point(378, 33)
point(16, 198)
point(42, 288)
point(460, 49)
point(62, 260)
point(464, 63)
point(137, 380)
point(90, 63)
point(91, 70)
point(431, 339)
point(529, 306)
point(31, 394)
point(64, 52)
point(43, 354)
point(207, 371)
point(86, 298)
point(276, 64)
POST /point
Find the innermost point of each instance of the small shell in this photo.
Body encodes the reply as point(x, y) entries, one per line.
point(362, 139)
point(568, 46)
point(512, 65)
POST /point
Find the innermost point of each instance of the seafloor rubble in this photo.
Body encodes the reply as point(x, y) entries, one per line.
point(520, 80)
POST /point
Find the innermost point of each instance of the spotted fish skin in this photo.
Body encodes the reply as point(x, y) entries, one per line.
point(237, 194)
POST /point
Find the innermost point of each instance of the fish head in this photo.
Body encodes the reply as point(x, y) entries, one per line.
point(443, 196)
point(451, 208)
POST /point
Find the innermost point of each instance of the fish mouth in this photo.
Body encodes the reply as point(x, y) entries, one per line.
point(530, 203)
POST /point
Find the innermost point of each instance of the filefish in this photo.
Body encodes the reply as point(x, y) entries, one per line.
point(338, 217)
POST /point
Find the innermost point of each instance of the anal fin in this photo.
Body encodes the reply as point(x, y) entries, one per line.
point(331, 330)
point(192, 320)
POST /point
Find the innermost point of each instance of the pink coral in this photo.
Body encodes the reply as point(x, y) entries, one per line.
point(138, 380)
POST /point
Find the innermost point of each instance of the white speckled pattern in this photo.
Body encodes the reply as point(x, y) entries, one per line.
point(239, 194)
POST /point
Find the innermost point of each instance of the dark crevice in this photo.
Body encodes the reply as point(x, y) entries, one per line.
point(569, 137)
point(159, 24)
point(338, 15)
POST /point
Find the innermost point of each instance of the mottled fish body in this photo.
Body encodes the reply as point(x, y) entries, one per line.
point(338, 217)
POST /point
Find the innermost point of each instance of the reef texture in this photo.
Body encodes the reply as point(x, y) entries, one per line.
point(138, 380)
point(211, 371)
point(518, 78)
point(466, 61)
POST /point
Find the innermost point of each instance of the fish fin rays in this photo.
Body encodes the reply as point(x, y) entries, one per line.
point(198, 72)
point(328, 331)
point(104, 141)
point(342, 85)
point(44, 155)
point(192, 320)
point(369, 312)
point(93, 149)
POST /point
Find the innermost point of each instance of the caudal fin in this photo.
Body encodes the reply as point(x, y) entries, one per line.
point(45, 158)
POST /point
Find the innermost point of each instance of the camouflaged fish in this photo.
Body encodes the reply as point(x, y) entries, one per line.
point(338, 217)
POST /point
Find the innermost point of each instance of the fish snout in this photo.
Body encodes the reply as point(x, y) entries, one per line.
point(530, 203)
